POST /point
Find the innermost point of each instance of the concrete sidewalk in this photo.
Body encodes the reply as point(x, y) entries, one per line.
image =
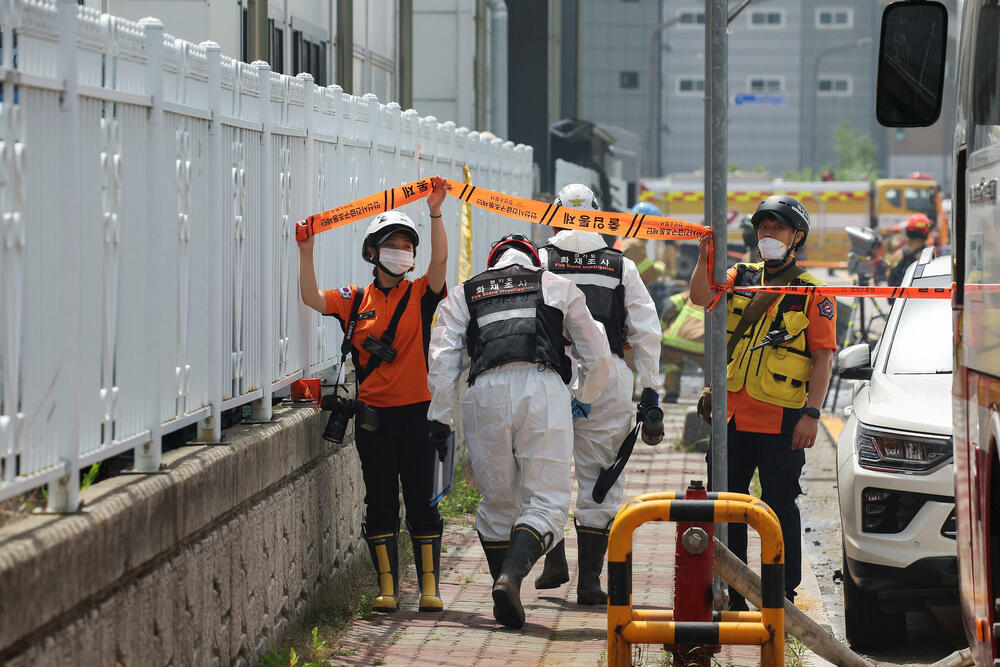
point(558, 631)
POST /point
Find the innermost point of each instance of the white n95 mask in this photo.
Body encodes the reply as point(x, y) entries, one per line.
point(395, 262)
point(772, 249)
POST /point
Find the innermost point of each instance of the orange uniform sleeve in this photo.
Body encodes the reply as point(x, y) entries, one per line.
point(822, 330)
point(731, 277)
point(338, 301)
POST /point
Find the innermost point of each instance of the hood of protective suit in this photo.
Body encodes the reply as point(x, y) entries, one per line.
point(574, 240)
point(513, 256)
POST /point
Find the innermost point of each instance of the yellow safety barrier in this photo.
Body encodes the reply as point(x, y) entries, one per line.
point(627, 626)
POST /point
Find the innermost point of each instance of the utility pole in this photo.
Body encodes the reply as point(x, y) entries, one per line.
point(716, 146)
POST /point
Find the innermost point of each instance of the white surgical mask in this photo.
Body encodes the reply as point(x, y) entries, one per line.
point(771, 249)
point(395, 262)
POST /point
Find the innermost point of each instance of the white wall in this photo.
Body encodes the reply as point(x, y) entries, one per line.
point(444, 51)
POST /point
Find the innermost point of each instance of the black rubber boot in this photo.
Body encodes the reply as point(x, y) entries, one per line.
point(526, 547)
point(496, 552)
point(556, 571)
point(427, 557)
point(592, 546)
point(384, 550)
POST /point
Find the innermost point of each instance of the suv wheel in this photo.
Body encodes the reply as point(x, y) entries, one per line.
point(867, 626)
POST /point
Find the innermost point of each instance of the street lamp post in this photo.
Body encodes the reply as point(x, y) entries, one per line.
point(813, 156)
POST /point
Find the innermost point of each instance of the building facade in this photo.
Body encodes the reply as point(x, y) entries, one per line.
point(796, 70)
point(353, 43)
point(614, 71)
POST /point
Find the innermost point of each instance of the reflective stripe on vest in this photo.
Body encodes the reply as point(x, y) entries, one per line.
point(672, 338)
point(505, 315)
point(775, 374)
point(644, 264)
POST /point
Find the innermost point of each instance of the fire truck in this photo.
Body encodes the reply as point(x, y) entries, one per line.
point(883, 204)
point(912, 59)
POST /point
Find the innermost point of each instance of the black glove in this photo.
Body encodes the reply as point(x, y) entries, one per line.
point(438, 434)
point(649, 397)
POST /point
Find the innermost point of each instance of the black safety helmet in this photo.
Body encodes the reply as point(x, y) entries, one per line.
point(783, 208)
point(516, 241)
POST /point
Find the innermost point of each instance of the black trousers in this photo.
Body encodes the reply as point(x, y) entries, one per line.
point(398, 451)
point(779, 467)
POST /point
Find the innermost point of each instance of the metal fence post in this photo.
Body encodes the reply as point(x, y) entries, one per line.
point(148, 454)
point(210, 429)
point(262, 406)
point(64, 493)
point(307, 332)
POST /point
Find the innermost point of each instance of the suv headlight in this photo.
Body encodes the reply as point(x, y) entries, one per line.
point(901, 451)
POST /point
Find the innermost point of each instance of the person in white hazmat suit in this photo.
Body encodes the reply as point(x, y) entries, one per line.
point(618, 299)
point(514, 319)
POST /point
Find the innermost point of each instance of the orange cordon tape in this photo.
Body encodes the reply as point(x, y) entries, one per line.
point(519, 208)
point(874, 292)
point(604, 222)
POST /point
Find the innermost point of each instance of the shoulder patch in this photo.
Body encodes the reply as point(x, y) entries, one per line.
point(826, 309)
point(346, 292)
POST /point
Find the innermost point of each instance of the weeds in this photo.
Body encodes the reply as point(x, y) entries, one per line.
point(795, 652)
point(464, 496)
point(288, 656)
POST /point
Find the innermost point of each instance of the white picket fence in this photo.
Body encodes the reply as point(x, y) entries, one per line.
point(149, 189)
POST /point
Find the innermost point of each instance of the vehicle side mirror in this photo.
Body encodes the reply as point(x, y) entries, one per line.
point(854, 362)
point(911, 64)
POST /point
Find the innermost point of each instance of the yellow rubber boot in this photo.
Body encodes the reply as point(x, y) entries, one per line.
point(427, 557)
point(384, 549)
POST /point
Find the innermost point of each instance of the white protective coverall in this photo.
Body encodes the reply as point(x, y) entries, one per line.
point(517, 420)
point(597, 438)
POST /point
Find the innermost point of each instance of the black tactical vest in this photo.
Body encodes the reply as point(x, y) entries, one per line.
point(510, 322)
point(598, 274)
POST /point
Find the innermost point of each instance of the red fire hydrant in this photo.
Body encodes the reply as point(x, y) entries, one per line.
point(693, 580)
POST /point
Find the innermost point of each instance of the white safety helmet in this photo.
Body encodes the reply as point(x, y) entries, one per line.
point(385, 225)
point(577, 195)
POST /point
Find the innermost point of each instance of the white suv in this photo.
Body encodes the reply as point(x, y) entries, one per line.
point(894, 466)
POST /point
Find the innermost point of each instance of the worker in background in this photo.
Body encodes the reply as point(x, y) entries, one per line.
point(650, 270)
point(917, 228)
point(779, 369)
point(391, 430)
point(683, 338)
point(618, 300)
point(517, 409)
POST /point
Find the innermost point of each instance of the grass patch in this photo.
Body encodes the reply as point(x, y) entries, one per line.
point(464, 496)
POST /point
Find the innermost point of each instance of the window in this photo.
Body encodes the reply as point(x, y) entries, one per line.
point(628, 80)
point(765, 84)
point(244, 51)
point(834, 85)
point(690, 18)
point(766, 19)
point(834, 18)
point(277, 46)
point(690, 85)
point(922, 341)
point(985, 92)
point(309, 56)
